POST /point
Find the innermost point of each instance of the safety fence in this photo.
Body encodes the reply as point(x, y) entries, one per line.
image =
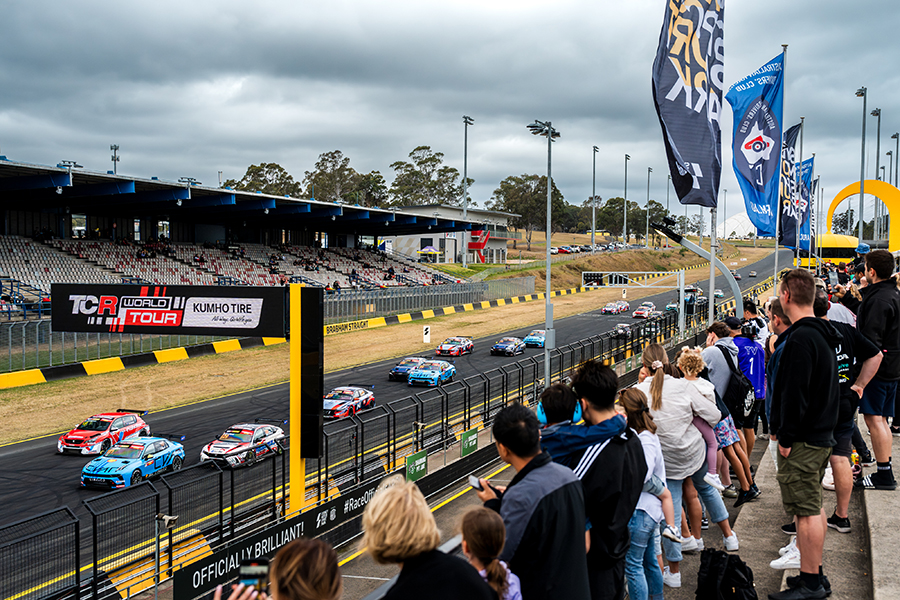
point(349, 305)
point(219, 506)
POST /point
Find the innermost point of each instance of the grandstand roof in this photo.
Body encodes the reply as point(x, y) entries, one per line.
point(94, 193)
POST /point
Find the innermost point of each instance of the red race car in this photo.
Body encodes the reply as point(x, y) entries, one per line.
point(98, 433)
point(455, 346)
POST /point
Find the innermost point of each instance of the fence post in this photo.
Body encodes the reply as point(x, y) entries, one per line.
point(231, 514)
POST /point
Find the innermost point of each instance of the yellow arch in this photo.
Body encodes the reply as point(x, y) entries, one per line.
point(884, 192)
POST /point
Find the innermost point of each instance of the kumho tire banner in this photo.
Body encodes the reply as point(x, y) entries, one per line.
point(168, 310)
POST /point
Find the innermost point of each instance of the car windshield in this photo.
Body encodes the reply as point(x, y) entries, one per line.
point(407, 362)
point(536, 332)
point(339, 395)
point(508, 341)
point(430, 366)
point(125, 451)
point(452, 342)
point(95, 425)
point(236, 435)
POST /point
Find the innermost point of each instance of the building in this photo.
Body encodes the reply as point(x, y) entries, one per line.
point(487, 244)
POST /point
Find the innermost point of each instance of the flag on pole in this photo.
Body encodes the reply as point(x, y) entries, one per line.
point(805, 214)
point(788, 194)
point(757, 102)
point(688, 83)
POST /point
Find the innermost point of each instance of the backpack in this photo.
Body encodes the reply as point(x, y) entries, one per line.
point(739, 395)
point(724, 576)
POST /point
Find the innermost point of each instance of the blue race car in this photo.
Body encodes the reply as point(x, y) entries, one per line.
point(536, 338)
point(131, 461)
point(401, 371)
point(509, 346)
point(432, 373)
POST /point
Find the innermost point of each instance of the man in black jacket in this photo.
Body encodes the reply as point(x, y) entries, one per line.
point(805, 405)
point(543, 510)
point(878, 318)
point(612, 473)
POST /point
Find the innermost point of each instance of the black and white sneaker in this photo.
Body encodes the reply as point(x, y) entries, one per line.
point(839, 524)
point(873, 482)
point(789, 529)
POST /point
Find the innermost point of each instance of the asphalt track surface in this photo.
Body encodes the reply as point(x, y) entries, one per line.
point(35, 479)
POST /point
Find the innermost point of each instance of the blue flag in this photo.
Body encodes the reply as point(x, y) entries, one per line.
point(756, 101)
point(804, 209)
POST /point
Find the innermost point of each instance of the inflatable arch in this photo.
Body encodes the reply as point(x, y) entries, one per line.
point(884, 192)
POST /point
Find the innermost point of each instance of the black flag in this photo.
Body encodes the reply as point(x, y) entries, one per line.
point(787, 198)
point(688, 82)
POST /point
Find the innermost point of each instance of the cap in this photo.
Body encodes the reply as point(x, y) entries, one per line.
point(862, 249)
point(820, 283)
point(732, 323)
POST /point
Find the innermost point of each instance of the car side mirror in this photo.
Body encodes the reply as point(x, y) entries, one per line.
point(148, 457)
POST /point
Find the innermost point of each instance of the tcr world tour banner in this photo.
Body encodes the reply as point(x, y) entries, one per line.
point(805, 212)
point(688, 81)
point(160, 309)
point(757, 102)
point(787, 236)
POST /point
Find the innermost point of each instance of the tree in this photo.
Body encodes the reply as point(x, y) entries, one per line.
point(425, 180)
point(526, 196)
point(332, 179)
point(373, 189)
point(682, 225)
point(268, 178)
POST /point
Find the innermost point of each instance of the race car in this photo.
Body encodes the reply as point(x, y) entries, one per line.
point(623, 306)
point(244, 444)
point(455, 346)
point(654, 313)
point(752, 273)
point(401, 370)
point(131, 461)
point(508, 346)
point(611, 308)
point(737, 276)
point(97, 434)
point(719, 294)
point(347, 400)
point(536, 338)
point(432, 373)
point(649, 305)
point(673, 305)
point(622, 330)
point(642, 312)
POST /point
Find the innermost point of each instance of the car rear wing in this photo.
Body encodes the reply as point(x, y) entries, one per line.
point(132, 410)
point(175, 437)
point(270, 420)
point(361, 385)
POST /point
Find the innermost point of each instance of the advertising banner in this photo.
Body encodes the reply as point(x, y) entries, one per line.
point(786, 198)
point(688, 81)
point(757, 102)
point(168, 310)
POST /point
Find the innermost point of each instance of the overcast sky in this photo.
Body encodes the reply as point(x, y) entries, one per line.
point(192, 88)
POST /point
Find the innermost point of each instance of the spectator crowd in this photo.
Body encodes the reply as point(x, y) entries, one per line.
point(612, 486)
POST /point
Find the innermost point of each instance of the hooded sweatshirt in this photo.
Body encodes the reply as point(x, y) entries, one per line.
point(566, 442)
point(719, 371)
point(879, 320)
point(806, 392)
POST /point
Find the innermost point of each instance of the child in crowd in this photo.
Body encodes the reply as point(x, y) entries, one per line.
point(642, 571)
point(709, 435)
point(691, 364)
point(483, 536)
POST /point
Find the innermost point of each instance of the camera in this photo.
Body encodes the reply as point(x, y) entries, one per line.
point(750, 328)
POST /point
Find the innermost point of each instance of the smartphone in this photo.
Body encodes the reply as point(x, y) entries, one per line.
point(833, 277)
point(254, 572)
point(473, 481)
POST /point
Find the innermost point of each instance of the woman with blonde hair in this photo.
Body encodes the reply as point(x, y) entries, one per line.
point(399, 528)
point(305, 569)
point(673, 405)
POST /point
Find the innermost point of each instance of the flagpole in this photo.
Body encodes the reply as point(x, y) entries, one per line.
point(813, 223)
point(798, 167)
point(784, 48)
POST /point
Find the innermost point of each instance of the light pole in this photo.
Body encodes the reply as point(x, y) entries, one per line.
point(625, 205)
point(115, 158)
point(465, 234)
point(647, 234)
point(668, 185)
point(876, 112)
point(545, 129)
point(724, 213)
point(896, 137)
point(861, 93)
point(890, 155)
point(594, 199)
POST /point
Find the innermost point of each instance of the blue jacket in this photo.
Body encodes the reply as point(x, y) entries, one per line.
point(565, 442)
point(751, 362)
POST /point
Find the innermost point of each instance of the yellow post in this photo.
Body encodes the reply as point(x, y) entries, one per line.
point(298, 465)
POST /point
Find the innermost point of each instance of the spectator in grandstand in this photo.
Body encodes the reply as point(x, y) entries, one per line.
point(483, 536)
point(879, 320)
point(400, 529)
point(543, 510)
point(805, 405)
point(673, 405)
point(858, 361)
point(305, 569)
